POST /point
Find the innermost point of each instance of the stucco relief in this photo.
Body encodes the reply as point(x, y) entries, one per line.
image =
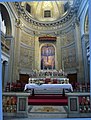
point(69, 57)
point(25, 58)
point(27, 39)
point(68, 38)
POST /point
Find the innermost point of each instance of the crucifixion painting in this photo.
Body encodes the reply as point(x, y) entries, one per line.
point(47, 57)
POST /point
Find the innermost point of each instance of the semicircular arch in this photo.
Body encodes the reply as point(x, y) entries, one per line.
point(6, 18)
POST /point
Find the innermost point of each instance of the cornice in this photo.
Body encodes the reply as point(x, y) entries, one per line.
point(26, 46)
point(69, 45)
point(49, 29)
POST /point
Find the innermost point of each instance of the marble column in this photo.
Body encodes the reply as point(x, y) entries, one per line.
point(2, 74)
point(5, 74)
point(1, 116)
point(34, 52)
point(37, 56)
point(16, 56)
point(90, 44)
point(1, 62)
point(77, 36)
point(58, 53)
point(85, 62)
point(11, 59)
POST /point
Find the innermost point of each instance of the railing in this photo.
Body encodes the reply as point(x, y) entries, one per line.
point(16, 104)
point(79, 105)
point(4, 47)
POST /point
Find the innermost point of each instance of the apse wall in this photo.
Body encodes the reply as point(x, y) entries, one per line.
point(25, 46)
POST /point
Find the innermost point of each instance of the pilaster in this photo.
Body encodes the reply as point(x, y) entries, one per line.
point(2, 72)
point(83, 40)
point(6, 74)
point(11, 59)
point(16, 50)
point(77, 36)
point(58, 54)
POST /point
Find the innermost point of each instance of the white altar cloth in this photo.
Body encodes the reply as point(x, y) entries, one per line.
point(48, 86)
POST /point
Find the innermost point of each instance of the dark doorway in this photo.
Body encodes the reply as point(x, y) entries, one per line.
point(24, 78)
point(72, 77)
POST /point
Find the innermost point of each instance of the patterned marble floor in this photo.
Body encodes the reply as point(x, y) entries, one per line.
point(47, 112)
point(46, 109)
point(49, 119)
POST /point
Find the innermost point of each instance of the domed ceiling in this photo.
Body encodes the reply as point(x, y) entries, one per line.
point(46, 10)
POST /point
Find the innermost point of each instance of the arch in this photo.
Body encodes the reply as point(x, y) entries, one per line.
point(6, 18)
point(47, 56)
point(86, 22)
point(82, 18)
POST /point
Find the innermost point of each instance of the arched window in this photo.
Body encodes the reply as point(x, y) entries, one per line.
point(47, 57)
point(3, 27)
point(28, 8)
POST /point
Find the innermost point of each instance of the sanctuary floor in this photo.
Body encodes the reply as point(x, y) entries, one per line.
point(48, 119)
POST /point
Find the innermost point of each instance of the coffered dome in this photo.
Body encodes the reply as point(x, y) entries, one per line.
point(46, 10)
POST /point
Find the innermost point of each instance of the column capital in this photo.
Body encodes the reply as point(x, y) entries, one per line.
point(2, 60)
point(6, 63)
point(76, 23)
point(17, 22)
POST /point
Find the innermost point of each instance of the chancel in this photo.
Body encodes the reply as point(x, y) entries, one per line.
point(45, 56)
